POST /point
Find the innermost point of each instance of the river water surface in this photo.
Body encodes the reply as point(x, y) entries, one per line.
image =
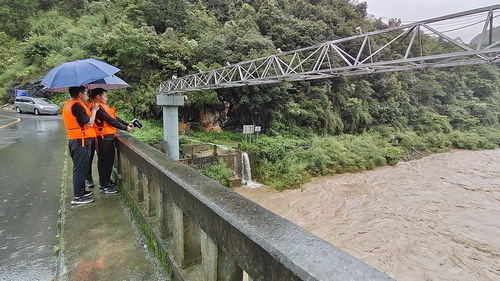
point(436, 218)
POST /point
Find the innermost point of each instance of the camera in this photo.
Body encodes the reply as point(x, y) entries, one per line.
point(136, 123)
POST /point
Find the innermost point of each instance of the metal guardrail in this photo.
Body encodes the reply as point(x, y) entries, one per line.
point(211, 233)
point(356, 55)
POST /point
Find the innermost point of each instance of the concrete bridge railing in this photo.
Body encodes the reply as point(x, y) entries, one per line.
point(210, 233)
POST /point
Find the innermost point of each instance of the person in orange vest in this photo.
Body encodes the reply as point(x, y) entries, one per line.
point(78, 120)
point(105, 127)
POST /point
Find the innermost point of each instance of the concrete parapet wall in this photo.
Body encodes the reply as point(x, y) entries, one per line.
point(211, 233)
point(200, 161)
point(233, 161)
point(190, 149)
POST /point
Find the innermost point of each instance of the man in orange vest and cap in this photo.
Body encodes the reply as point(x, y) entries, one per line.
point(78, 120)
point(105, 126)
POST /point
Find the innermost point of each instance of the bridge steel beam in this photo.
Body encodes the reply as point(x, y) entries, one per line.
point(354, 55)
point(204, 231)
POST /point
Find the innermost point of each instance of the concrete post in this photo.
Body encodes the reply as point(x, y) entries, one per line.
point(227, 268)
point(149, 196)
point(170, 105)
point(162, 212)
point(121, 166)
point(216, 265)
point(186, 239)
point(139, 186)
point(127, 172)
point(134, 178)
point(209, 255)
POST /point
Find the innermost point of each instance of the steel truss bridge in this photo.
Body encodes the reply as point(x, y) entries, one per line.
point(405, 47)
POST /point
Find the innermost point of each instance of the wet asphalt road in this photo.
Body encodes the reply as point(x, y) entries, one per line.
point(31, 162)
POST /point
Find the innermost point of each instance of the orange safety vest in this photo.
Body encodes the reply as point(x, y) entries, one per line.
point(105, 128)
point(72, 128)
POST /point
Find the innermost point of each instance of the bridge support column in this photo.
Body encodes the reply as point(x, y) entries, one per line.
point(170, 105)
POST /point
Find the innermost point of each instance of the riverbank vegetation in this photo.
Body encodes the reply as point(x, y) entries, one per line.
point(309, 128)
point(289, 161)
point(284, 163)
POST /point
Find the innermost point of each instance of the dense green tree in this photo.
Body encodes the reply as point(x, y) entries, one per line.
point(129, 48)
point(150, 41)
point(15, 16)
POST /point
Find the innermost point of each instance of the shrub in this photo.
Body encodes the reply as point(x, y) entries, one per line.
point(490, 133)
point(392, 154)
point(59, 99)
point(437, 141)
point(273, 149)
point(288, 173)
point(286, 163)
point(432, 122)
point(410, 140)
point(366, 151)
point(218, 172)
point(470, 140)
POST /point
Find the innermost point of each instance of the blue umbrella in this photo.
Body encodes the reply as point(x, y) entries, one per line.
point(76, 73)
point(109, 83)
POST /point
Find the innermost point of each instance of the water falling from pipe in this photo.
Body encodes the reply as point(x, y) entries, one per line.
point(246, 171)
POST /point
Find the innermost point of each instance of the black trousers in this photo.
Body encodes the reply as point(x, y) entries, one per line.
point(81, 157)
point(105, 157)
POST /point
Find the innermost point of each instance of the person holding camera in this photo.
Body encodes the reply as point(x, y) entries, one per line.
point(106, 123)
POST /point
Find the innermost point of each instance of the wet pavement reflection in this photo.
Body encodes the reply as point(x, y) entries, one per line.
point(436, 218)
point(31, 161)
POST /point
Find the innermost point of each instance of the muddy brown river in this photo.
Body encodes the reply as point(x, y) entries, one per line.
point(436, 218)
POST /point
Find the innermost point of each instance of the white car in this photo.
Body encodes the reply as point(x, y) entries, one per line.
point(35, 105)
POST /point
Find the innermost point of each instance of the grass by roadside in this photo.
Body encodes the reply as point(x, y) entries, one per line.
point(62, 197)
point(60, 220)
